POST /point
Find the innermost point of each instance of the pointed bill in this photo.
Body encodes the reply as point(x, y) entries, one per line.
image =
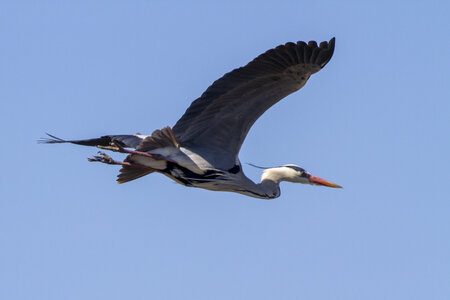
point(320, 181)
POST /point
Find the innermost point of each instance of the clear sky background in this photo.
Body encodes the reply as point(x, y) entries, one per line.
point(376, 120)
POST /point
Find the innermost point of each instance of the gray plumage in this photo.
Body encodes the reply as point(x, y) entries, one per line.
point(220, 119)
point(202, 149)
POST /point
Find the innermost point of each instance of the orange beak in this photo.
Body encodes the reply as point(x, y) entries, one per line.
point(320, 181)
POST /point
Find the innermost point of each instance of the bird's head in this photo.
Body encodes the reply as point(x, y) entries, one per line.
point(293, 173)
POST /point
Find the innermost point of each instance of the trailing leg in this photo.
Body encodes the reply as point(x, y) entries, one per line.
point(129, 171)
point(106, 159)
point(116, 147)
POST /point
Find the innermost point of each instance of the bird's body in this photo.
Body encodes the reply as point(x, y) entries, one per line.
point(202, 149)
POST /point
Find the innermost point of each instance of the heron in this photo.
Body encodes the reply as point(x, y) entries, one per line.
point(202, 149)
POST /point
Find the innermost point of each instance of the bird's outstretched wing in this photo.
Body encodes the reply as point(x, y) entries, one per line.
point(216, 124)
point(127, 141)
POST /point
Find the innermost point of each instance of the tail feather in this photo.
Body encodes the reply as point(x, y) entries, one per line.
point(128, 173)
point(131, 173)
point(159, 139)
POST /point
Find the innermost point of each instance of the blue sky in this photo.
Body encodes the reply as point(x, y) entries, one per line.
point(376, 120)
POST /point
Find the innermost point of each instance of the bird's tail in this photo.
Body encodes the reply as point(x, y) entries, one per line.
point(158, 139)
point(128, 173)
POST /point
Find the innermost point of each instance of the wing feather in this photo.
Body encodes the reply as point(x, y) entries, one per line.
point(216, 124)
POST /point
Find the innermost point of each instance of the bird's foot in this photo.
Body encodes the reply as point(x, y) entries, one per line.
point(106, 159)
point(103, 158)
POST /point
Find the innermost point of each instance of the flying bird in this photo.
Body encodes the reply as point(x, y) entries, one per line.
point(202, 149)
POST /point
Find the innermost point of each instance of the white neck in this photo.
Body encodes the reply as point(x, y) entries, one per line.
point(269, 188)
point(277, 174)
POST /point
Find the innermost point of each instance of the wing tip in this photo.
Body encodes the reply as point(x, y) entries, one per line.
point(328, 51)
point(51, 140)
point(331, 44)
